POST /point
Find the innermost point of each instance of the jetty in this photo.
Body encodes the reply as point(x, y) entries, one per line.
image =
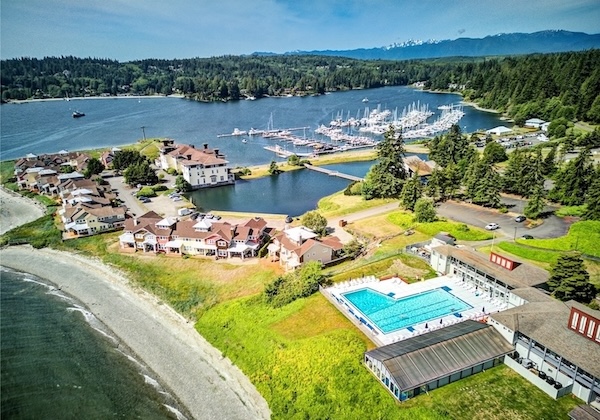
point(334, 173)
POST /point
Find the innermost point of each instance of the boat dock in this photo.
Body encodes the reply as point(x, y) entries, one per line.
point(333, 173)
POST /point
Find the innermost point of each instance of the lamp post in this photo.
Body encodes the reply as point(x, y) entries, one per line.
point(515, 235)
point(144, 132)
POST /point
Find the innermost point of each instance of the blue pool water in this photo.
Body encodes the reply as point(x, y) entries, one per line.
point(390, 314)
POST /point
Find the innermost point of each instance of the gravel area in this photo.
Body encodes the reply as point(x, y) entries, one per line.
point(203, 381)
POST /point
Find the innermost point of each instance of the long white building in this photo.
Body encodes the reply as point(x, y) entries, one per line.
point(200, 167)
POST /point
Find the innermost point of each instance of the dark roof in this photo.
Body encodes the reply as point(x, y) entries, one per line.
point(584, 412)
point(431, 356)
point(523, 275)
point(547, 323)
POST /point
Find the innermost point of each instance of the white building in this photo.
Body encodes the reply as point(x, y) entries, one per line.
point(500, 130)
point(534, 123)
point(201, 168)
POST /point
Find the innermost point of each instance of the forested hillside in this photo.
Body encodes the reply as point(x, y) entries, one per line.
point(548, 86)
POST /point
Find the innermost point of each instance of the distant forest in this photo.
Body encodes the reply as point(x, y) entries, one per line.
point(547, 86)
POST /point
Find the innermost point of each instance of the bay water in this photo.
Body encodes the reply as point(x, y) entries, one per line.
point(59, 362)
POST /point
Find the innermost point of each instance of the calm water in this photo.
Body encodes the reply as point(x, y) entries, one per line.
point(45, 127)
point(57, 365)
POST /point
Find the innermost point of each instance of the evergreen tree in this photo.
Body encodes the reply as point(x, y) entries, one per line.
point(424, 211)
point(182, 185)
point(125, 158)
point(385, 179)
point(549, 166)
point(536, 204)
point(573, 181)
point(482, 184)
point(570, 280)
point(513, 174)
point(592, 200)
point(411, 192)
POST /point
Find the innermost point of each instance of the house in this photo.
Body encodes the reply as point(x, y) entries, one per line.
point(500, 130)
point(534, 123)
point(201, 168)
point(85, 220)
point(152, 233)
point(295, 246)
point(413, 165)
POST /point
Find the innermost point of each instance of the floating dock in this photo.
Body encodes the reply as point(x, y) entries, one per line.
point(333, 173)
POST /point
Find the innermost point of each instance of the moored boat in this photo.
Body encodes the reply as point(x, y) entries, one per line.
point(77, 114)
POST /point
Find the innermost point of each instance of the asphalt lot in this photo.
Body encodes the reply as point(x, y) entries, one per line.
point(551, 227)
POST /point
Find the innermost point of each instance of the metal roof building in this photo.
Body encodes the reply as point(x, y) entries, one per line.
point(426, 362)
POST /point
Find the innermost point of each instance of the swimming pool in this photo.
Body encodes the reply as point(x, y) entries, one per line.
point(390, 314)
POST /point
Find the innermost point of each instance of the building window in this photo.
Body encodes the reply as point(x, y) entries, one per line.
point(598, 334)
point(582, 323)
point(574, 320)
point(591, 326)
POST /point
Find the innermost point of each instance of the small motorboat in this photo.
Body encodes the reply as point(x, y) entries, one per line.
point(365, 100)
point(77, 114)
point(244, 141)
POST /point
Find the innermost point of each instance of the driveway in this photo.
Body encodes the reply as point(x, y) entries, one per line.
point(551, 227)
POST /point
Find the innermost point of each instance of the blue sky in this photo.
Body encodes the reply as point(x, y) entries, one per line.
point(136, 29)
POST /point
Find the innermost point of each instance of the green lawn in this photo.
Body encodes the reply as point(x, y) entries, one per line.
point(305, 359)
point(582, 236)
point(460, 231)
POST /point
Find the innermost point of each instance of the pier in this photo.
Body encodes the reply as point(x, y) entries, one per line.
point(333, 173)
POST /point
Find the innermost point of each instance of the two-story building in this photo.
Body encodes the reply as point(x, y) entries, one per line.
point(200, 167)
point(295, 246)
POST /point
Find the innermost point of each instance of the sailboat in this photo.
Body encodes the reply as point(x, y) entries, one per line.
point(244, 141)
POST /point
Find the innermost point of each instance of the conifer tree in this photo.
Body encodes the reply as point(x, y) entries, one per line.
point(411, 192)
point(573, 181)
point(549, 166)
point(385, 179)
point(535, 205)
point(592, 201)
point(570, 280)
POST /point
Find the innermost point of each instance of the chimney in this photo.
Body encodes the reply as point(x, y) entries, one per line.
point(189, 157)
point(192, 146)
point(135, 221)
point(216, 152)
point(205, 146)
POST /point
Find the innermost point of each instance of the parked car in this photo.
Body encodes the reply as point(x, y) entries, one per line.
point(520, 218)
point(176, 198)
point(526, 237)
point(492, 226)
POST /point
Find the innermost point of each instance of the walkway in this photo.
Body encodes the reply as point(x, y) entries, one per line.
point(333, 173)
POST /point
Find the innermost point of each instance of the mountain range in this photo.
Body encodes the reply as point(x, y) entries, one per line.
point(501, 44)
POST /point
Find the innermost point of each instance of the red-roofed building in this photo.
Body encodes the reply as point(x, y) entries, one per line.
point(200, 167)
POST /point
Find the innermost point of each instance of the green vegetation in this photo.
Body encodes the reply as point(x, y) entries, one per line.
point(40, 233)
point(570, 280)
point(583, 236)
point(385, 178)
point(460, 231)
point(339, 204)
point(576, 211)
point(289, 287)
point(528, 252)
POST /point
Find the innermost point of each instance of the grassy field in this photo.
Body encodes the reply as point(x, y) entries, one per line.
point(582, 236)
point(460, 231)
point(339, 204)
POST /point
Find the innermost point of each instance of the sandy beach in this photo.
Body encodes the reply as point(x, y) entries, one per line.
point(16, 210)
point(203, 381)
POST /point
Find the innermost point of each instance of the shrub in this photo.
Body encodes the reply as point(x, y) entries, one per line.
point(146, 192)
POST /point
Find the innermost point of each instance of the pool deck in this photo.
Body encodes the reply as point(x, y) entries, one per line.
point(481, 305)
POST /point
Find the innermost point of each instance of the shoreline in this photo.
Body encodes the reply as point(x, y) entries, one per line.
point(85, 98)
point(207, 384)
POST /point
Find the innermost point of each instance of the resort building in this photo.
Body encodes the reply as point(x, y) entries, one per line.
point(502, 279)
point(201, 168)
point(295, 246)
point(426, 362)
point(534, 123)
point(415, 165)
point(152, 233)
point(555, 345)
point(85, 220)
point(499, 131)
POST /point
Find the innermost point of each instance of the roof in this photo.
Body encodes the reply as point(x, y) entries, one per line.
point(300, 234)
point(196, 157)
point(583, 308)
point(521, 276)
point(584, 412)
point(437, 354)
point(416, 164)
point(499, 130)
point(257, 223)
point(532, 294)
point(547, 323)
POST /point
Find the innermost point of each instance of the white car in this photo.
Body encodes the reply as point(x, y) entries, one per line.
point(492, 226)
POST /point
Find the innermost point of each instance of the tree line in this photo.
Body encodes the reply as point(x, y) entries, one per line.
point(547, 86)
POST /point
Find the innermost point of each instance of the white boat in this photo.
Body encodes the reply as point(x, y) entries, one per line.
point(238, 132)
point(244, 141)
point(365, 100)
